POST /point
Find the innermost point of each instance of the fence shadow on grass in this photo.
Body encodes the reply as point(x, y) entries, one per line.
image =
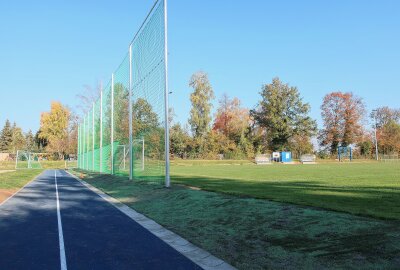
point(377, 202)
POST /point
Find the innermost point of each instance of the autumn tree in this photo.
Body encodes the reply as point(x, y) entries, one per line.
point(385, 115)
point(73, 134)
point(283, 114)
point(388, 129)
point(54, 128)
point(18, 139)
point(389, 138)
point(300, 145)
point(231, 119)
point(200, 113)
point(342, 115)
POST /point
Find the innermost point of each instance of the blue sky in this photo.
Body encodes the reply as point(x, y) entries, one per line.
point(50, 49)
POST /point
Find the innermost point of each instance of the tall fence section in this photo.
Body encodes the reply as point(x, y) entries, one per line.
point(126, 131)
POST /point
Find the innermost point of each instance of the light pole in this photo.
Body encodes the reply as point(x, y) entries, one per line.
point(376, 138)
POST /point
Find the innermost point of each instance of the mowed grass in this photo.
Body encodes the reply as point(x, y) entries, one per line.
point(253, 233)
point(10, 182)
point(365, 188)
point(17, 179)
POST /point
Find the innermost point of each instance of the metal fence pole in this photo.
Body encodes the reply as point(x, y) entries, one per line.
point(142, 153)
point(167, 176)
point(87, 142)
point(101, 131)
point(80, 146)
point(93, 135)
point(130, 116)
point(376, 139)
point(84, 143)
point(112, 124)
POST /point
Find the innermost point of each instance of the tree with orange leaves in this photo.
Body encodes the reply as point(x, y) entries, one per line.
point(342, 114)
point(231, 119)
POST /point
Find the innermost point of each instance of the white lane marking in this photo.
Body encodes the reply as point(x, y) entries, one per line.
point(3, 202)
point(63, 261)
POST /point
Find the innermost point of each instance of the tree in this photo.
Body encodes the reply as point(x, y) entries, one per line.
point(18, 139)
point(180, 141)
point(384, 116)
point(300, 145)
point(342, 115)
point(41, 143)
point(200, 114)
point(389, 138)
point(73, 134)
point(6, 137)
point(283, 114)
point(54, 128)
point(231, 119)
point(121, 113)
point(388, 132)
point(143, 117)
point(30, 144)
point(89, 96)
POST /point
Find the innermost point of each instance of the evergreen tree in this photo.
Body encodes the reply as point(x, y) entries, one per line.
point(6, 137)
point(30, 141)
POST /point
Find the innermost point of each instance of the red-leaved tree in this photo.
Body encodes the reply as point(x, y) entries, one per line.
point(342, 115)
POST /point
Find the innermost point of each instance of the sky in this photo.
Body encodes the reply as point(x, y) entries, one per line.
point(50, 49)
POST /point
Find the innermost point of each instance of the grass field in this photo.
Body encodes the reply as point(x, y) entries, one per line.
point(46, 164)
point(367, 188)
point(10, 182)
point(254, 233)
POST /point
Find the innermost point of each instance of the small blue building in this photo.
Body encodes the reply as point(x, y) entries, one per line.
point(286, 157)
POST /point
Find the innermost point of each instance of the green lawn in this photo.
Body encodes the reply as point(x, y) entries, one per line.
point(367, 188)
point(252, 233)
point(46, 164)
point(12, 181)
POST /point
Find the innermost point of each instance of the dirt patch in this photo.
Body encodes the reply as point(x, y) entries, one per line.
point(5, 193)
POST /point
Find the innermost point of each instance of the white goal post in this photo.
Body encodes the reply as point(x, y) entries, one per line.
point(27, 160)
point(126, 154)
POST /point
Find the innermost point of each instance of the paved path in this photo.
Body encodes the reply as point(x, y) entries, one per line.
point(79, 230)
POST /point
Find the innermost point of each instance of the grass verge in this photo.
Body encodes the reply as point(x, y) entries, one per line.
point(251, 233)
point(10, 182)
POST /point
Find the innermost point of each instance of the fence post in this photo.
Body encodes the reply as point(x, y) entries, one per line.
point(93, 139)
point(142, 153)
point(87, 141)
point(130, 116)
point(101, 131)
point(112, 124)
point(166, 94)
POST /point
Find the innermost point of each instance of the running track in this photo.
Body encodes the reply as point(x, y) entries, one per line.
point(55, 222)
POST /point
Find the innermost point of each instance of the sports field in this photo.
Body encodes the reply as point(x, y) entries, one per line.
point(251, 233)
point(365, 188)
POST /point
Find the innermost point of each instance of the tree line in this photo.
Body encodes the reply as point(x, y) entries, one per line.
point(279, 122)
point(57, 135)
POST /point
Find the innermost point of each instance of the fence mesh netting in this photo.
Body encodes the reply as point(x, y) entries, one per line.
point(137, 88)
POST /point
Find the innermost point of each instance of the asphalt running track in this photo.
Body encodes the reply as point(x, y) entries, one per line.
point(55, 222)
